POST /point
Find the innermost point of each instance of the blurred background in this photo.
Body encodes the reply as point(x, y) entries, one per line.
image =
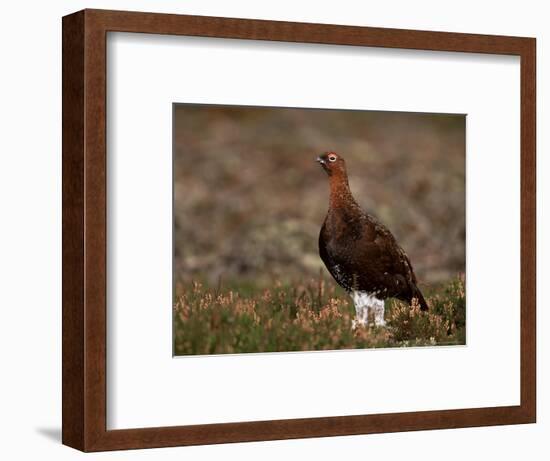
point(249, 198)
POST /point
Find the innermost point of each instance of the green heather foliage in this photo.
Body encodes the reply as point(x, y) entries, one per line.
point(310, 316)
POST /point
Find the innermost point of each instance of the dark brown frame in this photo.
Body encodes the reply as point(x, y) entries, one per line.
point(84, 229)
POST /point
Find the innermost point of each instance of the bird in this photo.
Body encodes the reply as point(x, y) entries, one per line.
point(360, 253)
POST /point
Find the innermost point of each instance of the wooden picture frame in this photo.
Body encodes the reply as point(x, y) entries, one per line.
point(84, 230)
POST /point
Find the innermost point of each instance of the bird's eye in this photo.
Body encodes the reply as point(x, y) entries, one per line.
point(332, 158)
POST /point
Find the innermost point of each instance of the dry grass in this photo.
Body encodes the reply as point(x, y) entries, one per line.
point(311, 316)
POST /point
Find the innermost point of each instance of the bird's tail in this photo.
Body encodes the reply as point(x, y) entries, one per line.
point(418, 295)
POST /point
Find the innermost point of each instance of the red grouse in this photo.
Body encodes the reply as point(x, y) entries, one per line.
point(360, 252)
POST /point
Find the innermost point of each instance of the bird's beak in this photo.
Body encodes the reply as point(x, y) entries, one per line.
point(320, 160)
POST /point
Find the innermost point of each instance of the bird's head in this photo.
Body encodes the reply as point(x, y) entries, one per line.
point(332, 163)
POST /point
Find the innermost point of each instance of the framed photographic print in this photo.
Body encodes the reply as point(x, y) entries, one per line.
point(279, 230)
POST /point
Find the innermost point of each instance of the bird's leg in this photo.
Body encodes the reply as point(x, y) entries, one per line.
point(366, 304)
point(362, 305)
point(378, 308)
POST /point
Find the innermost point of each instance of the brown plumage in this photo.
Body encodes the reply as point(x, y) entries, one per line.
point(360, 252)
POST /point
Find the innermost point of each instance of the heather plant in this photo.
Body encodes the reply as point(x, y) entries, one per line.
point(309, 316)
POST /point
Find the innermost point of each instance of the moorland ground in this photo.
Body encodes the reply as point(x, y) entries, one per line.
point(249, 201)
point(314, 316)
